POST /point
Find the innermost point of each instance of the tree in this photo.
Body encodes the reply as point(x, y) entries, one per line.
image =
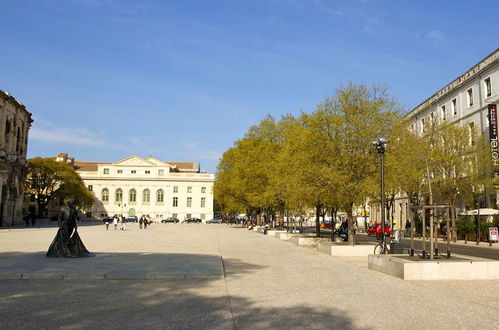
point(49, 180)
point(365, 114)
point(454, 158)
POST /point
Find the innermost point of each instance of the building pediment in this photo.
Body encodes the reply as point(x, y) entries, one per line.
point(158, 162)
point(134, 161)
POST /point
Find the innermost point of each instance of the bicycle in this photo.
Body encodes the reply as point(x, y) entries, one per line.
point(381, 248)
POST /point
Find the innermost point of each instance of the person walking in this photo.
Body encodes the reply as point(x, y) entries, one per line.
point(123, 223)
point(115, 222)
point(107, 223)
point(141, 221)
point(145, 222)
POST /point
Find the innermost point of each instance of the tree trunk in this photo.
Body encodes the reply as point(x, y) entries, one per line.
point(452, 205)
point(317, 220)
point(41, 208)
point(351, 234)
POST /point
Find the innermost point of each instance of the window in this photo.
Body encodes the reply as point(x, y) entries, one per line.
point(422, 125)
point(189, 201)
point(470, 97)
point(203, 190)
point(160, 196)
point(444, 113)
point(203, 202)
point(105, 195)
point(134, 171)
point(119, 195)
point(132, 196)
point(90, 187)
point(106, 171)
point(175, 201)
point(119, 171)
point(189, 189)
point(161, 172)
point(488, 87)
point(148, 172)
point(146, 196)
point(203, 216)
point(175, 189)
point(471, 129)
point(454, 107)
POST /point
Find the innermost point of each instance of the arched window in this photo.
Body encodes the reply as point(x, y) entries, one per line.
point(146, 196)
point(160, 196)
point(132, 195)
point(119, 195)
point(105, 195)
point(18, 140)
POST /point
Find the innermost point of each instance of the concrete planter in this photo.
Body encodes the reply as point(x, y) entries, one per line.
point(275, 232)
point(346, 249)
point(458, 268)
point(284, 236)
point(305, 241)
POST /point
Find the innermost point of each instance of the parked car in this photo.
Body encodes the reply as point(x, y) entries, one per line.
point(193, 220)
point(214, 221)
point(133, 218)
point(375, 229)
point(170, 219)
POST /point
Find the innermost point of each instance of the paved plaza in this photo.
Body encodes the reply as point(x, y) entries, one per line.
point(198, 276)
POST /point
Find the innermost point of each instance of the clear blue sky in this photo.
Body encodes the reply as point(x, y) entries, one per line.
point(182, 80)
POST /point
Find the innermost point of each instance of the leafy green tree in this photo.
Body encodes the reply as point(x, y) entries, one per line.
point(49, 180)
point(365, 114)
point(453, 164)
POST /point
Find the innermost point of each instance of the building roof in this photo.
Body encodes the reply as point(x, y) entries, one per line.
point(87, 166)
point(16, 103)
point(481, 66)
point(177, 166)
point(186, 166)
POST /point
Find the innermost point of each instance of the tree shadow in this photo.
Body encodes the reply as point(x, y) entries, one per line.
point(191, 303)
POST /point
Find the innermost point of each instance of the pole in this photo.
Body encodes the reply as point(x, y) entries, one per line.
point(432, 252)
point(383, 199)
point(478, 223)
point(424, 232)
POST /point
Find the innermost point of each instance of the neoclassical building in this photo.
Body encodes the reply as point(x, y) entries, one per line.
point(15, 121)
point(465, 102)
point(137, 186)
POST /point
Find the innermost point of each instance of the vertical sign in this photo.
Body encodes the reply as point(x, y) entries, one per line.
point(493, 136)
point(493, 234)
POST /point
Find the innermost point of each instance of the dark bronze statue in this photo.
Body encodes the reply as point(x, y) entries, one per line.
point(67, 242)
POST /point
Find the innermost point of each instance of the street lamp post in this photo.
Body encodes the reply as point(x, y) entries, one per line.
point(380, 145)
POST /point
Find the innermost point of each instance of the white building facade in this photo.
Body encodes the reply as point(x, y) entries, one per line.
point(464, 102)
point(137, 186)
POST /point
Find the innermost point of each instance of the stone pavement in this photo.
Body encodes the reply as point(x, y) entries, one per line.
point(268, 284)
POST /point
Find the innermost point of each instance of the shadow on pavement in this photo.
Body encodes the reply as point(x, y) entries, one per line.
point(197, 303)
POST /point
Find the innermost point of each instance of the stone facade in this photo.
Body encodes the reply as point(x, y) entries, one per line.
point(15, 122)
point(137, 186)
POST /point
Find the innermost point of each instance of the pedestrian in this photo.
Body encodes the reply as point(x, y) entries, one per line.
point(26, 219)
point(115, 222)
point(145, 223)
point(123, 223)
point(107, 223)
point(141, 221)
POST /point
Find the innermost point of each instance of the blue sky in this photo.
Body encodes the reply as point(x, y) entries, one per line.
point(182, 80)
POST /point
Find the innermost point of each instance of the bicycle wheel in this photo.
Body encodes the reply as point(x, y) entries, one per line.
point(377, 249)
